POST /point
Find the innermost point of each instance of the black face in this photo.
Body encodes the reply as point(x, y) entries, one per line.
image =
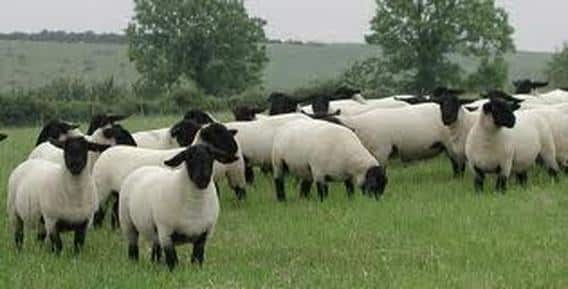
point(120, 135)
point(198, 117)
point(320, 104)
point(449, 107)
point(199, 163)
point(184, 132)
point(219, 137)
point(246, 113)
point(281, 103)
point(526, 86)
point(102, 120)
point(3, 136)
point(375, 182)
point(501, 111)
point(53, 130)
point(75, 152)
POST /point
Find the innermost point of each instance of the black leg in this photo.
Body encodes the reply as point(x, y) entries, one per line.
point(133, 252)
point(322, 191)
point(456, 168)
point(56, 244)
point(171, 256)
point(350, 188)
point(99, 217)
point(19, 233)
point(114, 217)
point(280, 192)
point(554, 174)
point(240, 193)
point(479, 180)
point(197, 256)
point(156, 253)
point(522, 179)
point(305, 188)
point(41, 234)
point(249, 173)
point(80, 233)
point(501, 185)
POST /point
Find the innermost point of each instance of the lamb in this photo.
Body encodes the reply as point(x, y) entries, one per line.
point(172, 207)
point(503, 142)
point(317, 151)
point(115, 164)
point(61, 196)
point(57, 129)
point(179, 135)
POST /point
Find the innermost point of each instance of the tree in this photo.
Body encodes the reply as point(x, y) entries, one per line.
point(418, 36)
point(211, 42)
point(557, 69)
point(491, 74)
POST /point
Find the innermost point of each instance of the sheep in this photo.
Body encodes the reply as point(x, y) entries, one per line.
point(347, 107)
point(256, 138)
point(413, 133)
point(57, 129)
point(115, 164)
point(179, 135)
point(527, 86)
point(110, 135)
point(61, 196)
point(246, 113)
point(199, 117)
point(104, 120)
point(172, 207)
point(317, 151)
point(503, 142)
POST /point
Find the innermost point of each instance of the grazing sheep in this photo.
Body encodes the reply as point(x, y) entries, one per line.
point(57, 129)
point(172, 207)
point(317, 151)
point(115, 164)
point(62, 196)
point(502, 142)
point(179, 135)
point(246, 113)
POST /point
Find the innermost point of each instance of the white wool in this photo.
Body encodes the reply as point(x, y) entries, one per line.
point(353, 107)
point(160, 139)
point(314, 150)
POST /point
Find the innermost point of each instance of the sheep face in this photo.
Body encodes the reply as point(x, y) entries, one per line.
point(375, 182)
point(449, 107)
point(55, 129)
point(218, 136)
point(281, 103)
point(246, 113)
point(3, 136)
point(120, 135)
point(501, 112)
point(75, 152)
point(103, 120)
point(198, 117)
point(198, 160)
point(184, 132)
point(320, 104)
point(526, 86)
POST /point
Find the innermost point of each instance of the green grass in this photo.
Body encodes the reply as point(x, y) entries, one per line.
point(429, 231)
point(32, 64)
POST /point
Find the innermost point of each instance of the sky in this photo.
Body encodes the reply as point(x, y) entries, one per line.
point(540, 25)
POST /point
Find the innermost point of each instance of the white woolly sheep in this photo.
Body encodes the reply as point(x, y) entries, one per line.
point(318, 151)
point(172, 207)
point(63, 197)
point(179, 135)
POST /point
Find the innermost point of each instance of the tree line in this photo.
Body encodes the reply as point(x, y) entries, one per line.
point(66, 37)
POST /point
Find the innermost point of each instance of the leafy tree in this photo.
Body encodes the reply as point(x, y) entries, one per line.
point(557, 69)
point(491, 73)
point(417, 36)
point(211, 42)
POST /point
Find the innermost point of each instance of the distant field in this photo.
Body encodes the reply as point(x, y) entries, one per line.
point(31, 64)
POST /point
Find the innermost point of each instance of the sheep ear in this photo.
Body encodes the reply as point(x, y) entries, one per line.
point(221, 156)
point(57, 143)
point(176, 161)
point(67, 126)
point(233, 132)
point(117, 117)
point(95, 147)
point(515, 106)
point(538, 84)
point(471, 109)
point(467, 101)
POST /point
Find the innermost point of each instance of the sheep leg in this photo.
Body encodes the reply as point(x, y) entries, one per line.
point(133, 251)
point(305, 189)
point(171, 256)
point(18, 232)
point(350, 188)
point(156, 252)
point(41, 234)
point(55, 239)
point(249, 171)
point(322, 190)
point(479, 180)
point(80, 233)
point(280, 191)
point(197, 256)
point(114, 215)
point(501, 184)
point(99, 217)
point(240, 193)
point(522, 179)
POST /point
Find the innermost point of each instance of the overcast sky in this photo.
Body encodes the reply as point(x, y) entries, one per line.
point(540, 25)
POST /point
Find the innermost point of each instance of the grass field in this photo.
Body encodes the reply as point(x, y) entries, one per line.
point(32, 64)
point(429, 231)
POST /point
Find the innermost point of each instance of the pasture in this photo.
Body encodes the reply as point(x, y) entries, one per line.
point(428, 231)
point(33, 64)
